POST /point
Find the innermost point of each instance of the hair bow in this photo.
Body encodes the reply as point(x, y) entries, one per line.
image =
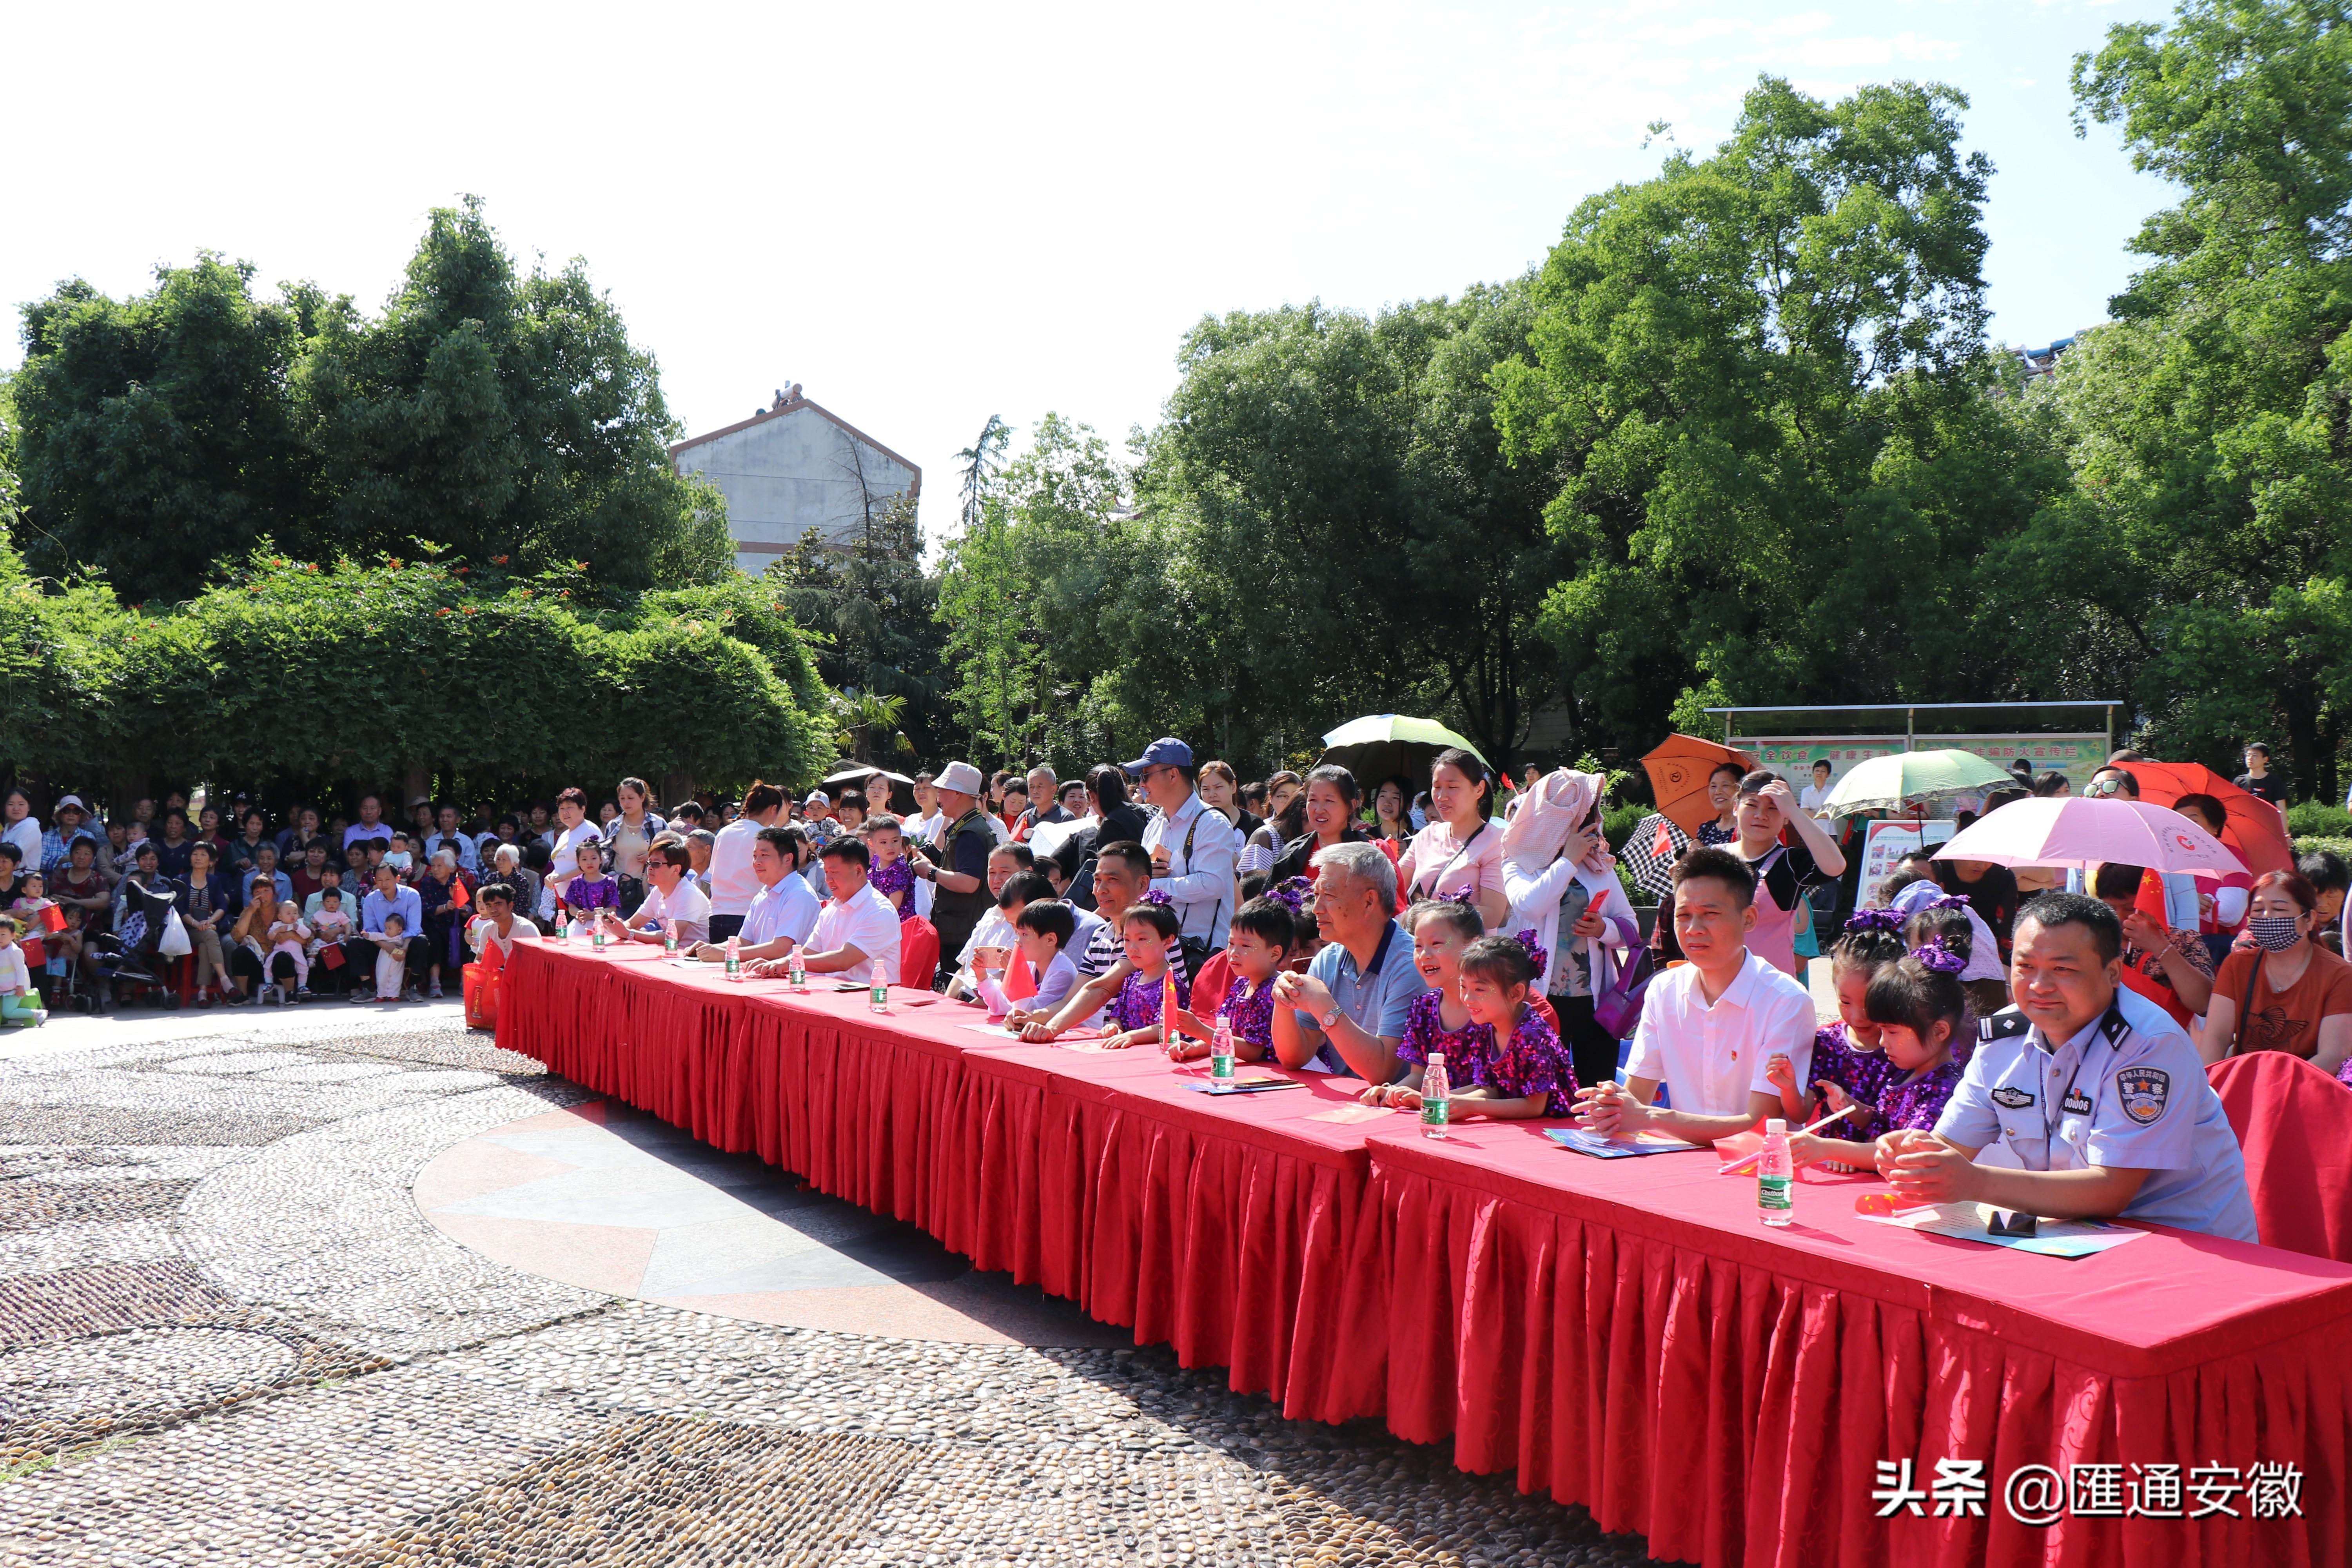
point(1156, 899)
point(1292, 894)
point(1948, 902)
point(1887, 920)
point(1536, 957)
point(1940, 958)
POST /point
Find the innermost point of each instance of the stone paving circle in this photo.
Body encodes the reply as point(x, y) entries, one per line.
point(229, 1333)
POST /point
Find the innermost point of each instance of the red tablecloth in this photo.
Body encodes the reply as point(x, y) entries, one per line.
point(1624, 1333)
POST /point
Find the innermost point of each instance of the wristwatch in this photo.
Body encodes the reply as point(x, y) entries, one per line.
point(1330, 1020)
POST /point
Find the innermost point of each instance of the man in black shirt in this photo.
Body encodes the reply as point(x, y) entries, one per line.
point(2261, 779)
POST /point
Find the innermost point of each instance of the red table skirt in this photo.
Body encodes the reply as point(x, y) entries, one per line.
point(1729, 1412)
point(1204, 1243)
point(1731, 1415)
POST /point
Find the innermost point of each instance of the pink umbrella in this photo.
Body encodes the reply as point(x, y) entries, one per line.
point(2083, 831)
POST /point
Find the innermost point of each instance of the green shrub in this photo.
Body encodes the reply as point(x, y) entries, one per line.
point(2319, 819)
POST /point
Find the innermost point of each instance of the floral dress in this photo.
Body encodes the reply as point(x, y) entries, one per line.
point(1249, 1013)
point(1532, 1062)
point(1138, 1004)
point(1714, 833)
point(898, 877)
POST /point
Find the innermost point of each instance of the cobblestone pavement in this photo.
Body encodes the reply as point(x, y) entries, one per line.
point(228, 1336)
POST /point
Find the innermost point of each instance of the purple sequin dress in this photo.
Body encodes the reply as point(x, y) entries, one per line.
point(1250, 1014)
point(1138, 1004)
point(1862, 1074)
point(898, 877)
point(1532, 1062)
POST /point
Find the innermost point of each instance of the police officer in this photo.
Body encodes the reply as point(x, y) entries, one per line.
point(2094, 1091)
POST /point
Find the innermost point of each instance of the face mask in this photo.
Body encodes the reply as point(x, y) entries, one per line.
point(2273, 933)
point(398, 859)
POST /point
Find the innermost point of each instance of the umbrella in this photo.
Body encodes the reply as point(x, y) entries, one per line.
point(2253, 826)
point(1887, 784)
point(1651, 851)
point(2078, 831)
point(1679, 770)
point(902, 788)
point(1385, 743)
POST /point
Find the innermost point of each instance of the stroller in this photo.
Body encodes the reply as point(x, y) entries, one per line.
point(126, 962)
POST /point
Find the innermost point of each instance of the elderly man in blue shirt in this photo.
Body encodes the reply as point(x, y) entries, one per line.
point(1346, 1014)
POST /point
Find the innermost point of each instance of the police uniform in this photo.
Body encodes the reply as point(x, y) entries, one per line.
point(2129, 1091)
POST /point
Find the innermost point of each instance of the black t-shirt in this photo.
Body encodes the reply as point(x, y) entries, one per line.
point(2272, 786)
point(1994, 896)
point(1787, 873)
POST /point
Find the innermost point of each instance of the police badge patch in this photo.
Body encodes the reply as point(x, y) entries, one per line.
point(2143, 1091)
point(2014, 1097)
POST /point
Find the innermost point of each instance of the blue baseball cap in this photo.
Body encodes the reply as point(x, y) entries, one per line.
point(1167, 751)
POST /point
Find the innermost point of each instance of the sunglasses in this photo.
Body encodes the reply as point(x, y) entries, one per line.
point(2104, 787)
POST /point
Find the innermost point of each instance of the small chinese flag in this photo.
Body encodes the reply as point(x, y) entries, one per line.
point(53, 917)
point(1020, 980)
point(1168, 1005)
point(458, 896)
point(1666, 843)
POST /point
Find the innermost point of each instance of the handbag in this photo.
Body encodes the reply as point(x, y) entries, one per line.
point(1617, 1003)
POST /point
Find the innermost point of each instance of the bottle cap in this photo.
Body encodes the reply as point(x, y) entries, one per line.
point(1774, 1127)
point(1437, 1059)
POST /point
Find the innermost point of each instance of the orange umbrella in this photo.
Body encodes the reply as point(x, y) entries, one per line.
point(1678, 770)
point(2254, 829)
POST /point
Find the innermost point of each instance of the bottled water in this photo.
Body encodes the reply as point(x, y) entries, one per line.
point(670, 936)
point(596, 936)
point(797, 971)
point(734, 958)
point(881, 1002)
point(1221, 1050)
point(1776, 1187)
point(1433, 1091)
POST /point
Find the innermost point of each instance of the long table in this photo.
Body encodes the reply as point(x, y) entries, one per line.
point(1624, 1333)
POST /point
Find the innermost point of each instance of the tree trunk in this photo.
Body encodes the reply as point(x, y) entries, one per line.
point(677, 784)
point(417, 785)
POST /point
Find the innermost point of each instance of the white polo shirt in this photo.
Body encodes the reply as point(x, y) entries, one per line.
point(1711, 1058)
point(686, 905)
point(867, 923)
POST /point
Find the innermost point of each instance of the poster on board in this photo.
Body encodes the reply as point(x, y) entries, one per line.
point(1883, 845)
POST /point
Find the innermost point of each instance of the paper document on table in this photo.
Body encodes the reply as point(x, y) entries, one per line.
point(1345, 1114)
point(996, 1030)
point(1972, 1222)
point(1608, 1146)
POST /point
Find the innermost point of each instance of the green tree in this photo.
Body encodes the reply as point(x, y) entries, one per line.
point(1763, 376)
point(490, 411)
point(2202, 557)
point(876, 611)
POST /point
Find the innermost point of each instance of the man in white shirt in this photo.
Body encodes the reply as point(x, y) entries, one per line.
point(670, 895)
point(733, 884)
point(1191, 847)
point(1810, 799)
point(1709, 1028)
point(784, 913)
point(856, 933)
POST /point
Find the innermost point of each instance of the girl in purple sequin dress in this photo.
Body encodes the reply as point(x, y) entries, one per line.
point(1849, 1065)
point(1922, 1017)
point(1150, 931)
point(893, 875)
point(1506, 1062)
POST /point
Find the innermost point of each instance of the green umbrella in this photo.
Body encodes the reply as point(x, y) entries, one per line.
point(1885, 783)
point(1385, 743)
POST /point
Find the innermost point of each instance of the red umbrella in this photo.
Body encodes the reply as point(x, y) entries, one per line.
point(2255, 828)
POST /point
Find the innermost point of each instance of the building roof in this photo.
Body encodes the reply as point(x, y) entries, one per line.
point(792, 402)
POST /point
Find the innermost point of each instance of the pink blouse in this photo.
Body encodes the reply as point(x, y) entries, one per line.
point(1442, 867)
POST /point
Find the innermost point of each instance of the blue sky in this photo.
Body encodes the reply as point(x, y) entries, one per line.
point(931, 215)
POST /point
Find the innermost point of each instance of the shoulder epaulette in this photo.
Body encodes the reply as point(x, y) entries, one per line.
point(2007, 1024)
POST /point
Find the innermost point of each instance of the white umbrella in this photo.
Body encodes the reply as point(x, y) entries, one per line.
point(2081, 831)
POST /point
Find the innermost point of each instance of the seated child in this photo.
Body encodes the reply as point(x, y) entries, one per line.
point(892, 874)
point(591, 891)
point(1512, 1064)
point(1437, 1019)
point(32, 898)
point(19, 1007)
point(1921, 1013)
point(391, 959)
point(1849, 1068)
point(1046, 926)
point(1259, 944)
point(994, 937)
point(1149, 933)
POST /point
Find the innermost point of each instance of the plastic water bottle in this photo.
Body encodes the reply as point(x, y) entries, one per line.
point(881, 992)
point(1434, 1093)
point(734, 958)
point(1221, 1050)
point(670, 936)
point(1776, 1186)
point(596, 935)
point(796, 970)
point(563, 934)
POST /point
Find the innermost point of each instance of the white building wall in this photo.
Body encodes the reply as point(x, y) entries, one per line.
point(788, 471)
